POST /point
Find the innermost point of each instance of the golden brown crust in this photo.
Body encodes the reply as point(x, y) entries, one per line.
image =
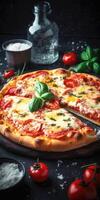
point(46, 144)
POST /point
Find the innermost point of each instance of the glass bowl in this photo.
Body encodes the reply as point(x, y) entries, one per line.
point(12, 174)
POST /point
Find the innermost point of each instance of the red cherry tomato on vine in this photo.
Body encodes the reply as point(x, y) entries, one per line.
point(92, 174)
point(9, 73)
point(70, 58)
point(39, 171)
point(78, 190)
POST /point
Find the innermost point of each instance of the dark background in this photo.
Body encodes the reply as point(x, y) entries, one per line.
point(75, 18)
point(78, 20)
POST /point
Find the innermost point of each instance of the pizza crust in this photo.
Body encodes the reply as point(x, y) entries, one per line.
point(46, 144)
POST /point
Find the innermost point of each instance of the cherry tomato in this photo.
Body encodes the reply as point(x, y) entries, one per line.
point(9, 73)
point(78, 190)
point(70, 58)
point(39, 171)
point(92, 174)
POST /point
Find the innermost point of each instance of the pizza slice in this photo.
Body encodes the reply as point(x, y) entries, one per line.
point(51, 128)
point(23, 85)
point(82, 96)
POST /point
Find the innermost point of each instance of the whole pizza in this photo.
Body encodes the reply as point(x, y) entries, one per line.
point(40, 109)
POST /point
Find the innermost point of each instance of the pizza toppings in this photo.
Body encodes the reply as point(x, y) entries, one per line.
point(32, 128)
point(34, 106)
point(36, 74)
point(53, 104)
point(59, 123)
point(43, 94)
point(11, 91)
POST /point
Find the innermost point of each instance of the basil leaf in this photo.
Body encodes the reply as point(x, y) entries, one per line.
point(89, 52)
point(81, 67)
point(87, 63)
point(35, 104)
point(93, 59)
point(47, 96)
point(96, 68)
point(84, 56)
point(41, 88)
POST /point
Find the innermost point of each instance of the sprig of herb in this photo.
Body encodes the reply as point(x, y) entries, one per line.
point(42, 95)
point(89, 61)
point(41, 88)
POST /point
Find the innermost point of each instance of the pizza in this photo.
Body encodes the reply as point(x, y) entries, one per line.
point(82, 96)
point(34, 109)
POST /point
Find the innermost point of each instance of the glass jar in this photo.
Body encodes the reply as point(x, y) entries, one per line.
point(44, 36)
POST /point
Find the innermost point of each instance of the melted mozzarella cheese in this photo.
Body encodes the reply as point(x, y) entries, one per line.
point(59, 120)
point(59, 79)
point(92, 105)
point(84, 90)
point(20, 109)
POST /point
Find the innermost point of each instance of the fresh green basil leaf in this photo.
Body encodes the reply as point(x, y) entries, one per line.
point(81, 67)
point(87, 63)
point(89, 52)
point(96, 68)
point(94, 59)
point(41, 88)
point(47, 96)
point(84, 56)
point(35, 104)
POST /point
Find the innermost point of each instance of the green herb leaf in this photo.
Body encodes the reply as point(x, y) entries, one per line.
point(89, 52)
point(96, 68)
point(81, 67)
point(94, 59)
point(89, 65)
point(41, 88)
point(47, 96)
point(84, 55)
point(35, 104)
